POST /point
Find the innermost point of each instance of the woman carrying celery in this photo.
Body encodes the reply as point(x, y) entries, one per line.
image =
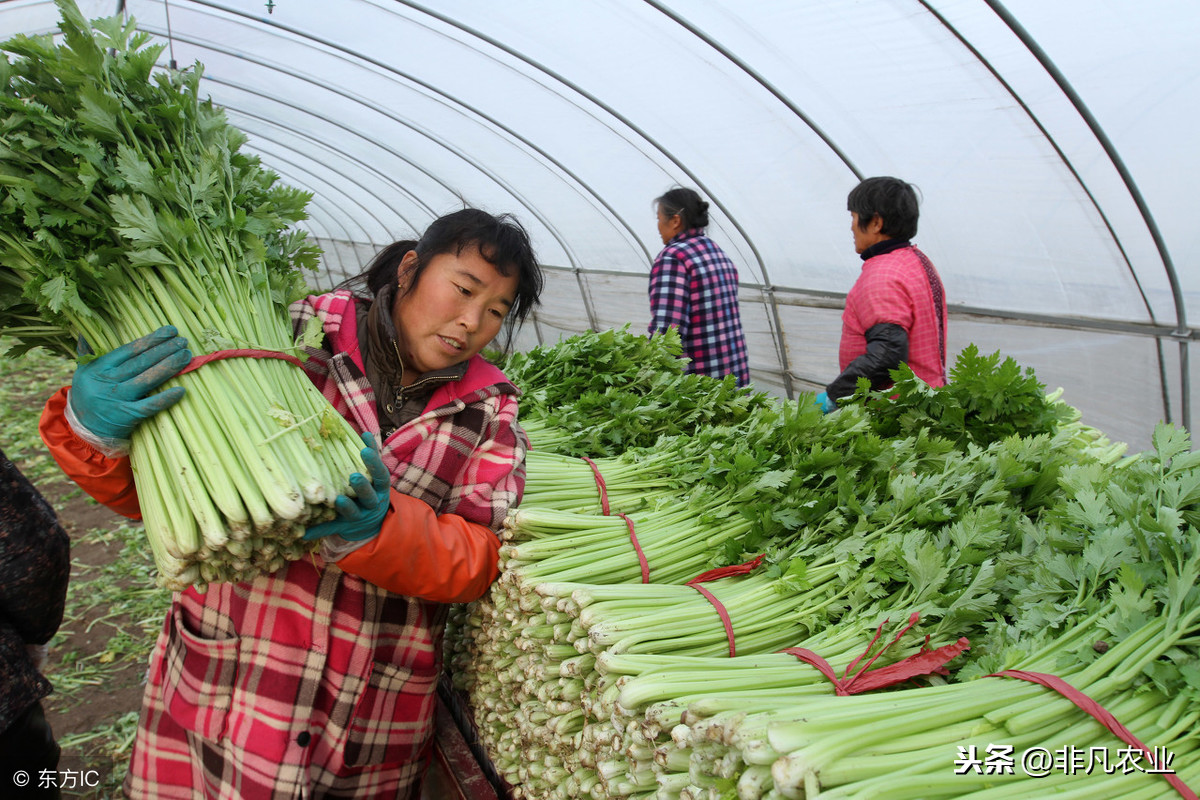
point(318, 680)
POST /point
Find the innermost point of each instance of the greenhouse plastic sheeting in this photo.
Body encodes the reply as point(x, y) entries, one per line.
point(1050, 141)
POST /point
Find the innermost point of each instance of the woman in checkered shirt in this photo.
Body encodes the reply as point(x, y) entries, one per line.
point(694, 288)
point(318, 680)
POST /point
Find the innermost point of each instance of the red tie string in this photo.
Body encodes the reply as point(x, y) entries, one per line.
point(599, 485)
point(636, 546)
point(200, 361)
point(923, 663)
point(1102, 715)
point(715, 575)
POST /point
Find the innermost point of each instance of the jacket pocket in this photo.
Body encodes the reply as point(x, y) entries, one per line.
point(199, 674)
point(393, 719)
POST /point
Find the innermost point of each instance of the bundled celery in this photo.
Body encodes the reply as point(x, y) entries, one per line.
point(1103, 593)
point(565, 720)
point(566, 483)
point(128, 206)
point(1010, 523)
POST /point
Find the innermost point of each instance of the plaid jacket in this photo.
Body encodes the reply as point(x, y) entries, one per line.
point(312, 682)
point(903, 288)
point(694, 287)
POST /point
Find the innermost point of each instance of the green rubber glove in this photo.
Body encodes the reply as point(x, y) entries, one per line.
point(113, 394)
point(360, 517)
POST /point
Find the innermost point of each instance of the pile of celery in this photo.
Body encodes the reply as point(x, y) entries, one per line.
point(128, 206)
point(1016, 527)
point(1105, 598)
point(568, 404)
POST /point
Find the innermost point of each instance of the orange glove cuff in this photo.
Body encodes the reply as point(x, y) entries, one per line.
point(108, 480)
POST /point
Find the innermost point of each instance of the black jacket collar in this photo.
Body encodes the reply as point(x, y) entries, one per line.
point(886, 246)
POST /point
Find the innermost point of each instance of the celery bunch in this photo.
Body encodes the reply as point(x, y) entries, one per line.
point(127, 206)
point(1013, 526)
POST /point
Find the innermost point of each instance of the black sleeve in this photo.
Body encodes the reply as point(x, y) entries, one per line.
point(34, 558)
point(887, 348)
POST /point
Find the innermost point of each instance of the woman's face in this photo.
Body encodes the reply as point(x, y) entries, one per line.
point(669, 227)
point(871, 235)
point(454, 311)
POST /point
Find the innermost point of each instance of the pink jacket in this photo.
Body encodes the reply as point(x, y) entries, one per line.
point(894, 287)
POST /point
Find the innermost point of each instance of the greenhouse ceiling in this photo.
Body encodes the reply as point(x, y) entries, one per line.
point(1051, 143)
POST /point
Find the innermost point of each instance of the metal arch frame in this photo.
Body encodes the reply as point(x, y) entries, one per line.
point(251, 146)
point(761, 80)
point(410, 125)
point(455, 102)
point(590, 192)
point(399, 187)
point(1062, 156)
point(313, 220)
point(309, 224)
point(352, 159)
point(311, 113)
point(316, 178)
point(1182, 333)
point(631, 125)
point(1066, 162)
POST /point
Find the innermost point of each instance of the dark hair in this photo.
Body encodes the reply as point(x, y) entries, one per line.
point(687, 204)
point(892, 199)
point(501, 241)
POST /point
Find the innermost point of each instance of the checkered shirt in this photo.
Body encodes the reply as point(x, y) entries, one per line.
point(694, 287)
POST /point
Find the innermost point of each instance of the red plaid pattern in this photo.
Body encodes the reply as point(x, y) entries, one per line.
point(465, 455)
point(312, 682)
point(898, 288)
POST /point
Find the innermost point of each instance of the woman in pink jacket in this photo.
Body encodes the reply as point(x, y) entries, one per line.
point(896, 311)
point(319, 680)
